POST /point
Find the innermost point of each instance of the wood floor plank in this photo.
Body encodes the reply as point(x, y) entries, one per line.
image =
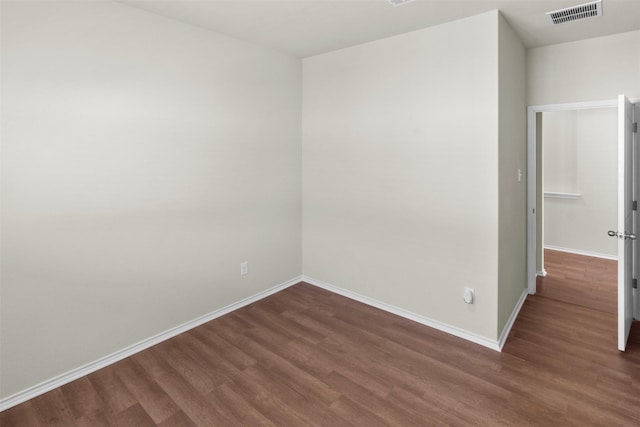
point(280, 367)
point(208, 342)
point(82, 397)
point(262, 399)
point(23, 415)
point(134, 416)
point(298, 401)
point(112, 391)
point(179, 419)
point(52, 409)
point(444, 411)
point(356, 414)
point(238, 409)
point(385, 409)
point(151, 397)
point(100, 418)
point(219, 368)
point(176, 355)
point(197, 406)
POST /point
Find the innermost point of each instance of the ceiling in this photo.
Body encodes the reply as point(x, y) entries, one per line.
point(309, 27)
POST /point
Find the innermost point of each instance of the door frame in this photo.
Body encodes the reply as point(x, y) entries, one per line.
point(532, 163)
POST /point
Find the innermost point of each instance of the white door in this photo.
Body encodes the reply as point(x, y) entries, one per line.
point(625, 233)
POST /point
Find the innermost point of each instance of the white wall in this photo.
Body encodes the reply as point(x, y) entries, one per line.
point(587, 70)
point(591, 136)
point(560, 151)
point(142, 161)
point(400, 171)
point(512, 172)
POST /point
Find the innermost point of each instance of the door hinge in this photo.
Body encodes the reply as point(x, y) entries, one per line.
point(634, 205)
point(634, 127)
point(635, 283)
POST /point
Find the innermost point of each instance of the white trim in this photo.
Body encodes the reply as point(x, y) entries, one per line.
point(512, 319)
point(542, 273)
point(586, 105)
point(81, 371)
point(569, 106)
point(531, 200)
point(581, 252)
point(559, 195)
point(452, 330)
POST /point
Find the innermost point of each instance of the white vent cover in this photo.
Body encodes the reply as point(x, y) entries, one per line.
point(397, 3)
point(582, 11)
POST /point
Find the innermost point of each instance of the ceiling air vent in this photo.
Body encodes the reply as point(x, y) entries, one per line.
point(582, 11)
point(397, 3)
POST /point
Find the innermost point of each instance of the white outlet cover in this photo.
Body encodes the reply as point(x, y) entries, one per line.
point(244, 268)
point(469, 295)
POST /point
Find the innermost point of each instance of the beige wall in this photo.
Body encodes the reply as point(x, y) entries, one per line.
point(560, 151)
point(512, 230)
point(587, 70)
point(400, 171)
point(582, 144)
point(142, 161)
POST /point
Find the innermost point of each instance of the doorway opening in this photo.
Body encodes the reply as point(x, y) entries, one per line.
point(576, 260)
point(575, 240)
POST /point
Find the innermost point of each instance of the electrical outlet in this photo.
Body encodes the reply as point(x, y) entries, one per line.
point(469, 295)
point(244, 268)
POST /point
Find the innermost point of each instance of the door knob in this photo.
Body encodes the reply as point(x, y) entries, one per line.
point(624, 236)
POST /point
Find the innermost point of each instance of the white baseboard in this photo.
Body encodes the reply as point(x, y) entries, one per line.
point(461, 333)
point(81, 371)
point(581, 252)
point(514, 315)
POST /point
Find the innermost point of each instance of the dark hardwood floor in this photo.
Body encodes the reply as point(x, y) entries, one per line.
point(306, 356)
point(583, 280)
